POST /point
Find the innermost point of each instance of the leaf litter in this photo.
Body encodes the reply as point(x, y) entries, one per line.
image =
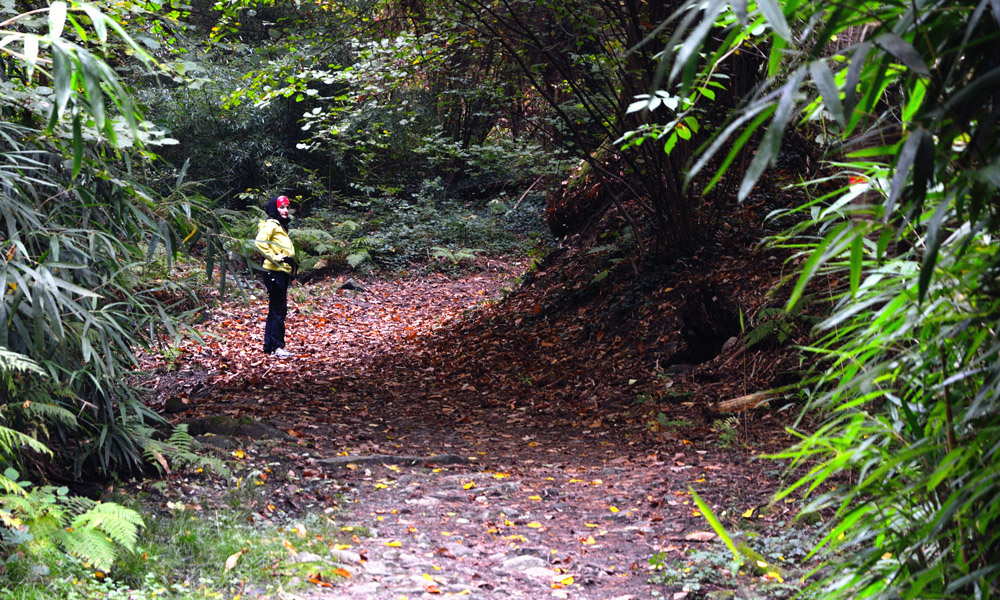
point(566, 450)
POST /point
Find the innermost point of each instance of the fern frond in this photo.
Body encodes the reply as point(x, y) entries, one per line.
point(51, 412)
point(11, 441)
point(181, 439)
point(760, 333)
point(206, 463)
point(600, 276)
point(349, 226)
point(356, 258)
point(603, 248)
point(78, 505)
point(16, 502)
point(91, 545)
point(114, 520)
point(15, 361)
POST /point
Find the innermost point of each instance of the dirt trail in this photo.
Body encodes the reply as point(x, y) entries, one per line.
point(531, 494)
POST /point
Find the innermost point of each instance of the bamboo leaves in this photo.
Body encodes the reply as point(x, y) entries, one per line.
point(904, 237)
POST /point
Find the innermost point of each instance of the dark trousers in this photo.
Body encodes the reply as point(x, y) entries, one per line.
point(276, 283)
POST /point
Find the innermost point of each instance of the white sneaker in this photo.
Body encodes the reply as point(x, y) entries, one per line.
point(282, 353)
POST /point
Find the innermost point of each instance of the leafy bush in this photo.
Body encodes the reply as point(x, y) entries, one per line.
point(39, 521)
point(903, 230)
point(77, 226)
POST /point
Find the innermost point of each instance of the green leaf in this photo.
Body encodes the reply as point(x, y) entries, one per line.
point(914, 101)
point(670, 143)
point(857, 254)
point(92, 85)
point(740, 10)
point(933, 243)
point(688, 51)
point(772, 11)
point(97, 19)
point(812, 264)
point(827, 86)
point(770, 146)
point(57, 19)
point(62, 79)
point(706, 511)
point(907, 155)
point(736, 146)
point(855, 67)
point(904, 52)
point(77, 144)
point(30, 52)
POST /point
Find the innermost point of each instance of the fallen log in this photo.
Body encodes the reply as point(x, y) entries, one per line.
point(746, 402)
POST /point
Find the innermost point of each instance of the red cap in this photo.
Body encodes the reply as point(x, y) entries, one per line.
point(282, 201)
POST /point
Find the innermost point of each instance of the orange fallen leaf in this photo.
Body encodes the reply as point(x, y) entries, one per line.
point(290, 547)
point(343, 573)
point(233, 559)
point(317, 580)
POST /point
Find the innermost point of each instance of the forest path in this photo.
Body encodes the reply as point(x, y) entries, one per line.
point(522, 491)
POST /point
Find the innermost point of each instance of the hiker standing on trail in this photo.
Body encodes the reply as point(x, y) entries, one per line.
point(279, 262)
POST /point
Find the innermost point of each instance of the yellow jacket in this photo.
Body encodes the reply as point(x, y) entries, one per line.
point(273, 242)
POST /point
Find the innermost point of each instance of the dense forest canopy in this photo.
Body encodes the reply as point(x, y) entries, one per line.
point(127, 128)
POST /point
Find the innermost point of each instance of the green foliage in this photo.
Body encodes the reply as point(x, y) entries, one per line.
point(183, 553)
point(178, 450)
point(455, 256)
point(78, 225)
point(777, 325)
point(727, 430)
point(338, 243)
point(902, 231)
point(405, 233)
point(40, 520)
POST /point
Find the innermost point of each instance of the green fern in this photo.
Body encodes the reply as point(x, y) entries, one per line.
point(93, 531)
point(776, 324)
point(358, 257)
point(11, 441)
point(114, 520)
point(46, 411)
point(15, 361)
point(179, 450)
point(315, 241)
point(455, 256)
point(92, 546)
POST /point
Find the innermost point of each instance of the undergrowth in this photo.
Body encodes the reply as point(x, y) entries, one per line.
point(185, 551)
point(438, 234)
